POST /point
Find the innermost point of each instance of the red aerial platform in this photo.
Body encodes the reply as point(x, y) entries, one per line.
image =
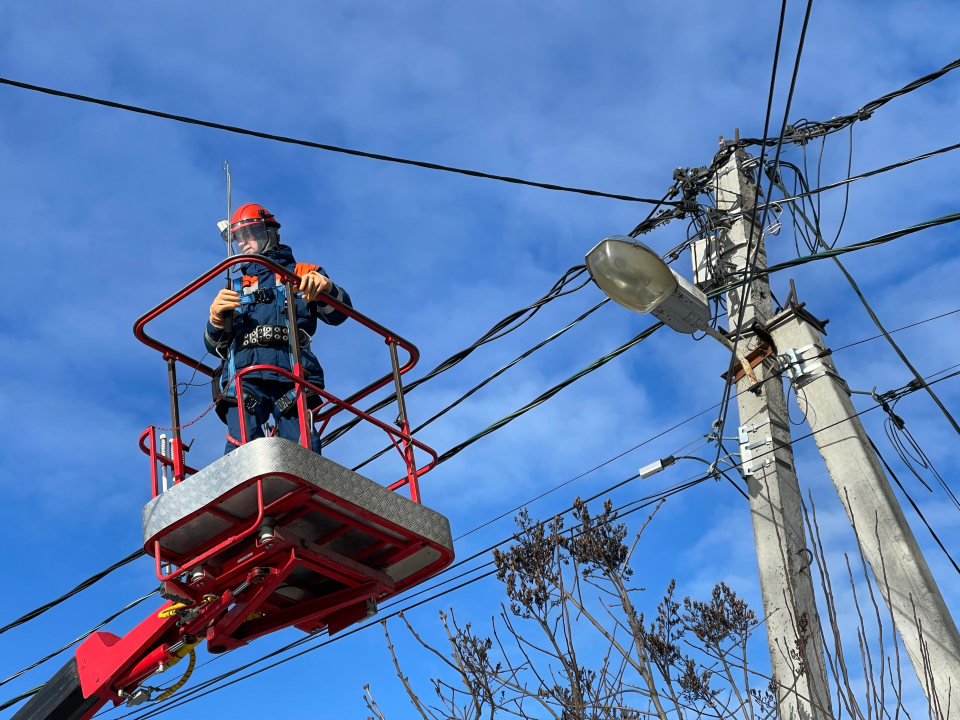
point(270, 536)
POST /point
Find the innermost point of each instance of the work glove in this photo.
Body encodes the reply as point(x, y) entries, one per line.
point(226, 301)
point(313, 283)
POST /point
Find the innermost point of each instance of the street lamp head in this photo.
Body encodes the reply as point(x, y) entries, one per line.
point(634, 276)
point(630, 273)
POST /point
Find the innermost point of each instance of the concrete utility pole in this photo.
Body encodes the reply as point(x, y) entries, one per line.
point(928, 631)
point(792, 622)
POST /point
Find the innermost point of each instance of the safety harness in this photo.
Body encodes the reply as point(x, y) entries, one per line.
point(223, 388)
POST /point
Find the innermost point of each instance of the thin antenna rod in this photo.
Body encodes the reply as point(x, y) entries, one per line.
point(225, 166)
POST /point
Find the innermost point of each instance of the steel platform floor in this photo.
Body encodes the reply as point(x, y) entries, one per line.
point(317, 504)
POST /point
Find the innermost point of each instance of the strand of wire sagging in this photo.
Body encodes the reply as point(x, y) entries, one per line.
point(319, 146)
point(914, 506)
point(87, 634)
point(79, 588)
point(490, 379)
point(500, 328)
point(899, 436)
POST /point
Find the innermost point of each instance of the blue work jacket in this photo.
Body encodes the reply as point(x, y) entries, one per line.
point(274, 312)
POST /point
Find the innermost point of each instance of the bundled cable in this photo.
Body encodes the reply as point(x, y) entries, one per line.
point(600, 362)
point(915, 507)
point(79, 588)
point(906, 444)
point(87, 634)
point(503, 327)
point(490, 379)
point(316, 145)
point(802, 131)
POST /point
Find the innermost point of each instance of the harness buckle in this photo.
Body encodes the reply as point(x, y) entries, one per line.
point(263, 295)
point(250, 403)
point(286, 401)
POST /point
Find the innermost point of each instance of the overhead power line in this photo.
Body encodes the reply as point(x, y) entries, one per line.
point(321, 146)
point(79, 588)
point(490, 378)
point(802, 131)
point(87, 634)
point(501, 328)
point(834, 252)
point(542, 398)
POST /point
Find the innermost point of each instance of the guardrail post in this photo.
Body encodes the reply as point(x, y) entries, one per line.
point(404, 424)
point(294, 332)
point(176, 443)
point(153, 460)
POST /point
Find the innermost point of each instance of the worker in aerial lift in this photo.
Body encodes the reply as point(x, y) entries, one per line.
point(259, 334)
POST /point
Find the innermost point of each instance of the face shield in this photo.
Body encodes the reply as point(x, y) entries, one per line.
point(254, 238)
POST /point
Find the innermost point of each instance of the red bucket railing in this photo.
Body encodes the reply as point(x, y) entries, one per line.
point(400, 437)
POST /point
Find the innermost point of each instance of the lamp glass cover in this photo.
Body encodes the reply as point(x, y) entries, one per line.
point(630, 273)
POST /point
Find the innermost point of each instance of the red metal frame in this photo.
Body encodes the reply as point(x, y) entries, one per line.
point(223, 545)
point(151, 450)
point(402, 435)
point(408, 440)
point(139, 327)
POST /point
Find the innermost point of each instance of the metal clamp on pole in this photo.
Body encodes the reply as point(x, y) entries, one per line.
point(801, 365)
point(747, 448)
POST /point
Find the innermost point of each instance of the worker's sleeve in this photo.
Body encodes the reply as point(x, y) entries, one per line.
point(215, 340)
point(328, 313)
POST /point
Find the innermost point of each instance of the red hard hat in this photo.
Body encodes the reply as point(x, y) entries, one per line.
point(252, 213)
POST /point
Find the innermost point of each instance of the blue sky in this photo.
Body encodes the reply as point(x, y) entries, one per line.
point(109, 212)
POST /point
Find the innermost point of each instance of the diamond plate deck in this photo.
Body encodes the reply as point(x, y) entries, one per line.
point(181, 520)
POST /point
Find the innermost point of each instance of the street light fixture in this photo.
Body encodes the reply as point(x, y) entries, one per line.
point(634, 276)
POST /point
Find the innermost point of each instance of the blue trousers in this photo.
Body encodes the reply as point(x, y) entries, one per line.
point(267, 392)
